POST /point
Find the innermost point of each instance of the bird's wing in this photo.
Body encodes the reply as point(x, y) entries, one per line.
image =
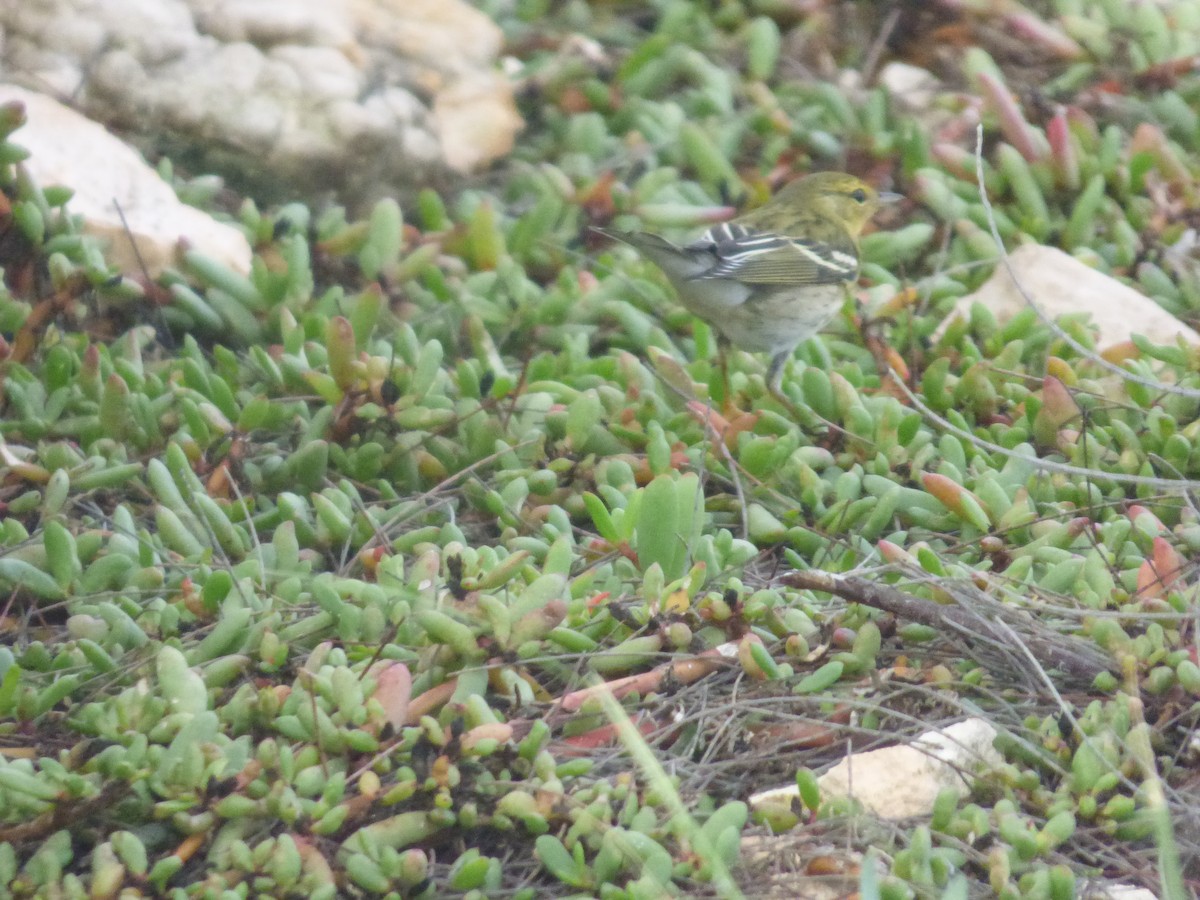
point(761, 257)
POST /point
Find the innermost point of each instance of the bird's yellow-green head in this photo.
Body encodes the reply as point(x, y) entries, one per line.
point(831, 196)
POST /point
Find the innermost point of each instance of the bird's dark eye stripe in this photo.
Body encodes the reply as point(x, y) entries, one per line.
point(859, 194)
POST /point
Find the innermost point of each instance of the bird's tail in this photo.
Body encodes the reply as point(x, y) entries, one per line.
point(675, 261)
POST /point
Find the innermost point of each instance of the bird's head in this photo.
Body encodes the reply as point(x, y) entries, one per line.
point(837, 196)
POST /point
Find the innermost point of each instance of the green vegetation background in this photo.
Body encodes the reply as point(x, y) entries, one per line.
point(303, 571)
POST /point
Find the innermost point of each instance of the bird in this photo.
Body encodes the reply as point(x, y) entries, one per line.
point(773, 277)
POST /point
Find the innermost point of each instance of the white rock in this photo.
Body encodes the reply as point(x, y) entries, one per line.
point(107, 175)
point(903, 781)
point(259, 90)
point(444, 35)
point(269, 22)
point(1116, 892)
point(467, 113)
point(1060, 284)
point(915, 88)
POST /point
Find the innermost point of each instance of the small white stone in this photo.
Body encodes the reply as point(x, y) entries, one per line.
point(1059, 284)
point(903, 781)
point(1118, 892)
point(912, 86)
point(109, 179)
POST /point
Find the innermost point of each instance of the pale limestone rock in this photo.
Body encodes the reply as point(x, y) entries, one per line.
point(359, 97)
point(1106, 891)
point(106, 175)
point(448, 37)
point(1061, 284)
point(467, 113)
point(267, 23)
point(913, 87)
point(903, 781)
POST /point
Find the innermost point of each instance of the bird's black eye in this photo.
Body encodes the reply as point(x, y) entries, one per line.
point(859, 195)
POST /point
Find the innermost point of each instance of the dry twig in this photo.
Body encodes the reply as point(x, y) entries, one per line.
point(976, 616)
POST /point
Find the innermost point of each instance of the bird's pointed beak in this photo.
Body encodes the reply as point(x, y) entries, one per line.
point(890, 197)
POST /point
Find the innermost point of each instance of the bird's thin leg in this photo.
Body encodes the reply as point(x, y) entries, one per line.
point(775, 383)
point(804, 415)
point(775, 373)
point(727, 405)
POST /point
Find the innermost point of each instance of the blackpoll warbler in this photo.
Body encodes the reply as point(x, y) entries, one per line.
point(775, 276)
